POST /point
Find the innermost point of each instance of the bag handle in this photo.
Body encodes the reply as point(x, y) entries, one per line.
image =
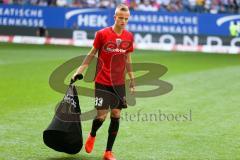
point(77, 77)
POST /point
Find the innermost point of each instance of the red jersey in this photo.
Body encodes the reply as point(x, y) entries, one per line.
point(112, 54)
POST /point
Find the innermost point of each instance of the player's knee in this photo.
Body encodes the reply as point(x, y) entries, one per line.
point(102, 114)
point(116, 113)
point(102, 117)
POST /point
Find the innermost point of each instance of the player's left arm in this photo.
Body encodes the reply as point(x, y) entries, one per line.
point(130, 73)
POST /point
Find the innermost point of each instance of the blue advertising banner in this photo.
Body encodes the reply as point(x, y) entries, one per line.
point(95, 19)
point(185, 23)
point(88, 19)
point(31, 16)
point(163, 22)
point(218, 24)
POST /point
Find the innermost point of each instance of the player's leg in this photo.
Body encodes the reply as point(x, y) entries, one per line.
point(96, 124)
point(120, 94)
point(102, 104)
point(113, 128)
point(98, 121)
point(112, 133)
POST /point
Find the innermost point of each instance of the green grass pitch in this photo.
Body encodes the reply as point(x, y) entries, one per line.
point(206, 84)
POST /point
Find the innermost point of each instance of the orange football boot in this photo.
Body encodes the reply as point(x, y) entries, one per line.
point(108, 155)
point(89, 143)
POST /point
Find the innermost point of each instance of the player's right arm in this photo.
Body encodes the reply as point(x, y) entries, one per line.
point(86, 62)
point(96, 45)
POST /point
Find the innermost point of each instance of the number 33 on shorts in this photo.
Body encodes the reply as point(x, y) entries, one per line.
point(98, 101)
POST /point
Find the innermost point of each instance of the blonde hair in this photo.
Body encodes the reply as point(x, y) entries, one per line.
point(122, 7)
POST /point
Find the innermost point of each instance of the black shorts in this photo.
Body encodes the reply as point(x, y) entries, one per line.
point(110, 96)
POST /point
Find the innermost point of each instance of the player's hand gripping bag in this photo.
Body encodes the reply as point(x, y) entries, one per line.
point(64, 134)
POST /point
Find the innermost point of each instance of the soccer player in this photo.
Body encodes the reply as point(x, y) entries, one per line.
point(113, 45)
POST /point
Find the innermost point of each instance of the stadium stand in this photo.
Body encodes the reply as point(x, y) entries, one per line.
point(198, 6)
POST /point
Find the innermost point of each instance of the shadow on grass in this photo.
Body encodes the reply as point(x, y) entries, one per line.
point(79, 157)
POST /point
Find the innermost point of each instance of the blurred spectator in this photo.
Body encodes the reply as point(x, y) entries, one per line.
point(234, 6)
point(155, 4)
point(175, 6)
point(76, 3)
point(92, 3)
point(132, 4)
point(80, 4)
point(215, 7)
point(7, 1)
point(17, 1)
point(146, 5)
point(192, 5)
point(42, 32)
point(121, 1)
point(107, 4)
point(224, 6)
point(33, 2)
point(52, 2)
point(164, 4)
point(62, 3)
point(200, 6)
point(43, 3)
point(207, 5)
point(185, 5)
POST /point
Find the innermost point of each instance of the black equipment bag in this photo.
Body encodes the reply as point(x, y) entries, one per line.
point(64, 134)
